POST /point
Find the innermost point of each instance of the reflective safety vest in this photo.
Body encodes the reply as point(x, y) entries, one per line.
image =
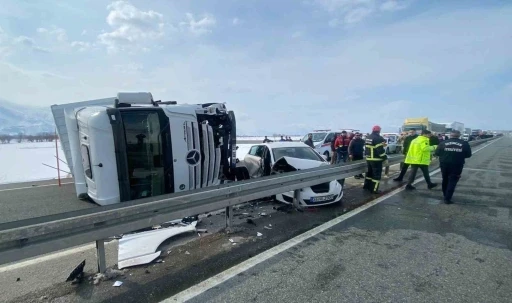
point(419, 151)
point(374, 148)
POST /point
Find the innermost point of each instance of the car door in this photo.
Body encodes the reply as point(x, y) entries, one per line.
point(253, 160)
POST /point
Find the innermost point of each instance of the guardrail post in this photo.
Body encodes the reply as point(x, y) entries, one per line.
point(100, 256)
point(229, 218)
point(296, 203)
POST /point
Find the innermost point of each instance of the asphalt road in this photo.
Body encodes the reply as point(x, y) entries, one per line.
point(20, 201)
point(409, 248)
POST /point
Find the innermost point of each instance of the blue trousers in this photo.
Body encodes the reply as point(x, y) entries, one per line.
point(342, 156)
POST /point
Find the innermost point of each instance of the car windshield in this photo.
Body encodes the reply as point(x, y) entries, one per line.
point(305, 153)
point(317, 137)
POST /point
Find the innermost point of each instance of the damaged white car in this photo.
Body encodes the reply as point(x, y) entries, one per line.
point(279, 157)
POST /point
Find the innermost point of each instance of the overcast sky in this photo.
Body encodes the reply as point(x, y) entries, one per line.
point(283, 66)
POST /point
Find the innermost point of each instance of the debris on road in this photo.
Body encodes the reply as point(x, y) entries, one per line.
point(77, 275)
point(267, 227)
point(251, 221)
point(111, 273)
point(263, 214)
point(117, 283)
point(202, 230)
point(187, 253)
point(139, 248)
point(18, 279)
point(98, 278)
point(259, 234)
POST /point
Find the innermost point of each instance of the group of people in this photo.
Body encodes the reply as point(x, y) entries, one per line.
point(452, 153)
point(283, 139)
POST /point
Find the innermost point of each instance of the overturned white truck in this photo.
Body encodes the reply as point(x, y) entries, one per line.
point(131, 146)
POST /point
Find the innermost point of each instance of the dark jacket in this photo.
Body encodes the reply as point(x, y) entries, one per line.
point(309, 142)
point(374, 147)
point(454, 151)
point(407, 143)
point(356, 147)
point(434, 141)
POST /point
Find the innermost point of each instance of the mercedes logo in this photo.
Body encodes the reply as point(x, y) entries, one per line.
point(193, 157)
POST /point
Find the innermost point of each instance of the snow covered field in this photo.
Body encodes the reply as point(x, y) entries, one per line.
point(21, 162)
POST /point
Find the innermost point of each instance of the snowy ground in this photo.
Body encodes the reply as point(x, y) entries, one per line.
point(24, 162)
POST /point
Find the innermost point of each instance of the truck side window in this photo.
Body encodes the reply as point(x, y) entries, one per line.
point(86, 161)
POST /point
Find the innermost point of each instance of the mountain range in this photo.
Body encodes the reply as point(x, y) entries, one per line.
point(26, 119)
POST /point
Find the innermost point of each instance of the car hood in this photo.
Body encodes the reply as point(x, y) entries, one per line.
point(288, 164)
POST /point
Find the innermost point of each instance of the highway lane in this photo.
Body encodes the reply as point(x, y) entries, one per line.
point(20, 201)
point(409, 248)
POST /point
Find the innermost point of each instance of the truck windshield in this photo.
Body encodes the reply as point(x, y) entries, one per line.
point(305, 153)
point(417, 127)
point(144, 153)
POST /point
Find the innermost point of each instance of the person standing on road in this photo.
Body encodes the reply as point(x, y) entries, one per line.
point(356, 151)
point(309, 141)
point(375, 155)
point(342, 144)
point(266, 140)
point(452, 154)
point(407, 143)
point(334, 154)
point(418, 156)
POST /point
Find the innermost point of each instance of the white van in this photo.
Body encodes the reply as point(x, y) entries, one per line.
point(322, 139)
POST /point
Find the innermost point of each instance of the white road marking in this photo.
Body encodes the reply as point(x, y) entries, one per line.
point(35, 186)
point(484, 170)
point(246, 265)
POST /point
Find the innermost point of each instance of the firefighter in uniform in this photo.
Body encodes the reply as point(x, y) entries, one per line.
point(375, 155)
point(452, 154)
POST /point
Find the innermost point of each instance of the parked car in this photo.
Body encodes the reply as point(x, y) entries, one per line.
point(280, 157)
point(392, 143)
point(322, 139)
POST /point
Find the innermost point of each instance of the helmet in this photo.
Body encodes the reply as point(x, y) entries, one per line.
point(376, 128)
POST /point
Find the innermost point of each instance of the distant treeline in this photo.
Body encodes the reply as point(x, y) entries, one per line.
point(41, 137)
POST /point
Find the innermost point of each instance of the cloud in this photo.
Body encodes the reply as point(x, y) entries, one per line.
point(201, 26)
point(236, 21)
point(297, 34)
point(81, 45)
point(357, 15)
point(393, 5)
point(131, 26)
point(350, 12)
point(56, 32)
point(28, 43)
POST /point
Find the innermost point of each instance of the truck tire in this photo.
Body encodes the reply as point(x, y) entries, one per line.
point(242, 173)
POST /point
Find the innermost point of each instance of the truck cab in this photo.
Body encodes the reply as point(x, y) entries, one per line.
point(133, 147)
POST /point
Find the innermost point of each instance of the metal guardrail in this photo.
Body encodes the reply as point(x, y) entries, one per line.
point(32, 237)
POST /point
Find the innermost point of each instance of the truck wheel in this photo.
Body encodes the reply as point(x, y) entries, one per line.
point(242, 173)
